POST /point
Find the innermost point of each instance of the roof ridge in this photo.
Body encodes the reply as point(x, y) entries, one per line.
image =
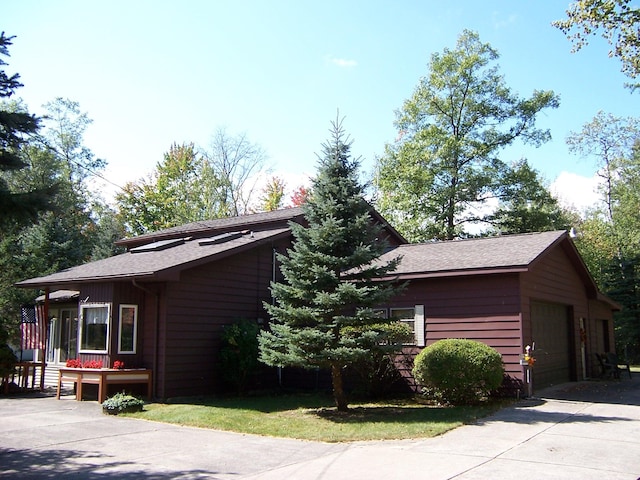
point(490, 237)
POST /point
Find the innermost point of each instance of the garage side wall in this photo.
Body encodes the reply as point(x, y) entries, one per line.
point(485, 308)
point(553, 280)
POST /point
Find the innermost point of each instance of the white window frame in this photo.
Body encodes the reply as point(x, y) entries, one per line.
point(404, 319)
point(135, 327)
point(417, 320)
point(81, 325)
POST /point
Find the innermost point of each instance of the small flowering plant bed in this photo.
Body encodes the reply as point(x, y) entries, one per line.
point(77, 363)
point(122, 403)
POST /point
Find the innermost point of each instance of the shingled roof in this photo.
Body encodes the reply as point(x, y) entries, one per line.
point(158, 260)
point(455, 257)
point(217, 226)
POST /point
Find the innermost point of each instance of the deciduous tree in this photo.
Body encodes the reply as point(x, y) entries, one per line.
point(609, 238)
point(272, 194)
point(526, 205)
point(239, 164)
point(190, 185)
point(616, 20)
point(299, 196)
point(451, 130)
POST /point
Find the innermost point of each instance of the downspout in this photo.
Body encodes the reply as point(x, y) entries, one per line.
point(155, 332)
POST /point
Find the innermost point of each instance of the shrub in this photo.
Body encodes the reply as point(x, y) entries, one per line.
point(8, 358)
point(376, 374)
point(459, 371)
point(239, 353)
point(121, 403)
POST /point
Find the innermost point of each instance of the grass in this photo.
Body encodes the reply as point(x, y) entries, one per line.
point(312, 417)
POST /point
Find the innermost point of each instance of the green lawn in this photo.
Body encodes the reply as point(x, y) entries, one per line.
point(313, 417)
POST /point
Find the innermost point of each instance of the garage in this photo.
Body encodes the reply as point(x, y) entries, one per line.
point(550, 332)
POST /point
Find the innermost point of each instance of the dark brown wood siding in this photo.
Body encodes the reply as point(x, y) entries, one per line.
point(553, 279)
point(480, 307)
point(599, 335)
point(199, 306)
point(125, 293)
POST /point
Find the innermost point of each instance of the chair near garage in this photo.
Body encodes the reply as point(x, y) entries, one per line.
point(618, 365)
point(610, 366)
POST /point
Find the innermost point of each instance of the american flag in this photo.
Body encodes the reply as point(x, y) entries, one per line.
point(32, 328)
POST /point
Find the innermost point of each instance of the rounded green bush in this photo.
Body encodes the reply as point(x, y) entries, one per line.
point(459, 371)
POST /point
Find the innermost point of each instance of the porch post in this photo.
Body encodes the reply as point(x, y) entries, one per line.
point(45, 335)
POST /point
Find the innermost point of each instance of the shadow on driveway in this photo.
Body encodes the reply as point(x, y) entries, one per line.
point(625, 391)
point(52, 463)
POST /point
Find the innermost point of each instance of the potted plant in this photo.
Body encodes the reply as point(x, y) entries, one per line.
point(122, 403)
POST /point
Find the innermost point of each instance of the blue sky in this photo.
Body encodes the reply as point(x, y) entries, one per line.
point(151, 73)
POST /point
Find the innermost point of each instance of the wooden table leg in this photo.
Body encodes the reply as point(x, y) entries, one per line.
point(79, 388)
point(102, 391)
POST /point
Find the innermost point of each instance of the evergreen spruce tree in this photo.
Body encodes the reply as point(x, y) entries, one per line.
point(16, 125)
point(321, 311)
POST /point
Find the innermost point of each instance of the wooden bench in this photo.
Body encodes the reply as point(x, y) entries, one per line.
point(103, 377)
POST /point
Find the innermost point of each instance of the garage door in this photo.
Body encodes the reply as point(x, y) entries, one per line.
point(551, 336)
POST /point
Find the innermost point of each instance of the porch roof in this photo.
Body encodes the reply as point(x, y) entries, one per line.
point(161, 264)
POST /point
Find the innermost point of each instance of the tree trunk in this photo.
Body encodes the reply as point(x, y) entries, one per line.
point(338, 391)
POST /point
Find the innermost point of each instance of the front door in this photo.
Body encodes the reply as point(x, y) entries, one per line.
point(63, 336)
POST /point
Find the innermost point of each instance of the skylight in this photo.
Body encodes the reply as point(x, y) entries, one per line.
point(157, 246)
point(223, 237)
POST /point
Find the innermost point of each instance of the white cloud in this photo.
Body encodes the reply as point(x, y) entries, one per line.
point(341, 62)
point(500, 21)
point(575, 191)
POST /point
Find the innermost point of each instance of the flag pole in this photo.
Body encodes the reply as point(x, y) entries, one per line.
point(45, 335)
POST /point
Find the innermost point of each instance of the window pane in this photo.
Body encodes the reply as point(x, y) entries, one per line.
point(95, 324)
point(400, 313)
point(405, 315)
point(128, 318)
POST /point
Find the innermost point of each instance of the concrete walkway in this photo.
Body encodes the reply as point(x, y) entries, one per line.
point(588, 430)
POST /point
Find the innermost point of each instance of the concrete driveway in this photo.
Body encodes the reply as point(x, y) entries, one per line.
point(588, 430)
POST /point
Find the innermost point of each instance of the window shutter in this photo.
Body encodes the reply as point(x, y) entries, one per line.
point(418, 319)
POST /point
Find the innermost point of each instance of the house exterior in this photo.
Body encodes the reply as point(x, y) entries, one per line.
point(162, 305)
point(509, 292)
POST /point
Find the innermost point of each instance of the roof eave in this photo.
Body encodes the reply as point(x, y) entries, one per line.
point(74, 283)
point(456, 273)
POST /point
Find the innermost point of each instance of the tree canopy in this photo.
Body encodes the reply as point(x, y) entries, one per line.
point(451, 130)
point(609, 236)
point(328, 275)
point(191, 184)
point(525, 204)
point(616, 21)
point(17, 125)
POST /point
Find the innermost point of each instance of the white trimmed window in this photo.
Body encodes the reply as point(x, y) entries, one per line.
point(414, 317)
point(94, 327)
point(127, 329)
